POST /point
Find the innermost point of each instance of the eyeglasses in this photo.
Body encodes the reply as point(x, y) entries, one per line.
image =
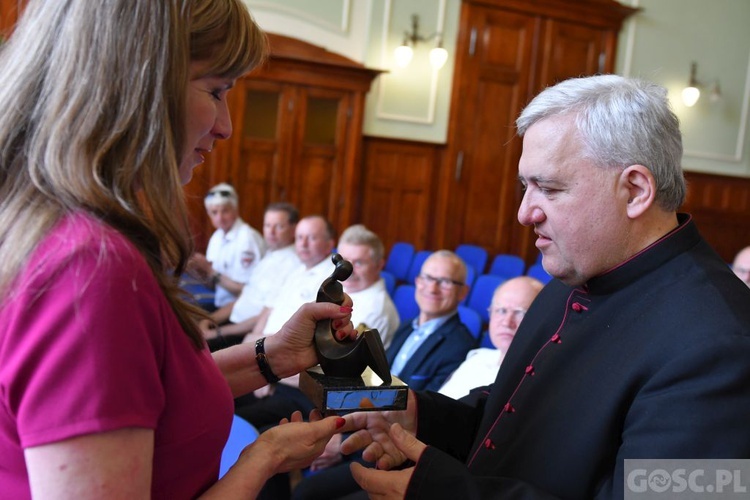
point(361, 262)
point(444, 283)
point(518, 313)
point(221, 192)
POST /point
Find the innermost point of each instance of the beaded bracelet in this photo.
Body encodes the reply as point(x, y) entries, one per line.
point(262, 360)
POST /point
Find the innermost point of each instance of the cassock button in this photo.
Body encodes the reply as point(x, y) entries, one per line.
point(529, 370)
point(509, 408)
point(489, 444)
point(556, 338)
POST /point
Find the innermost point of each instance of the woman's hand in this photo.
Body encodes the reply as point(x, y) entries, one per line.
point(291, 350)
point(292, 444)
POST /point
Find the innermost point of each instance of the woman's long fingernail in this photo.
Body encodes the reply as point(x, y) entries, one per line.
point(345, 309)
point(340, 422)
point(341, 335)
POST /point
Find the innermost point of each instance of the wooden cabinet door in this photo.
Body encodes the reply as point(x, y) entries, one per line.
point(315, 165)
point(493, 86)
point(289, 145)
point(568, 50)
point(265, 125)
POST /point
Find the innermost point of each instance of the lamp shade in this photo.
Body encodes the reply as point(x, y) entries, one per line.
point(438, 57)
point(403, 55)
point(690, 96)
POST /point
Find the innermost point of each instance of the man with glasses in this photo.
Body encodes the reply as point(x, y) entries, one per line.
point(374, 307)
point(741, 265)
point(233, 251)
point(426, 350)
point(510, 302)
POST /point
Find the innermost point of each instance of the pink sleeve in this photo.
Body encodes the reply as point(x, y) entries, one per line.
point(86, 345)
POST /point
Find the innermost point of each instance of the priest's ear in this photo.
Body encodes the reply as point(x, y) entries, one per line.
point(640, 185)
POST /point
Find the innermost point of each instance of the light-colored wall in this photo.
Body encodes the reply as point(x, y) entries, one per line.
point(404, 103)
point(658, 43)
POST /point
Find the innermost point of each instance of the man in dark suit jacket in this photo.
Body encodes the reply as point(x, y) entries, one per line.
point(638, 350)
point(426, 350)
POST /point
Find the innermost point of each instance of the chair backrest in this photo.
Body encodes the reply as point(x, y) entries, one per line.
point(474, 256)
point(481, 293)
point(241, 434)
point(390, 282)
point(471, 319)
point(406, 304)
point(416, 265)
point(485, 340)
point(399, 260)
point(508, 266)
point(470, 279)
point(538, 272)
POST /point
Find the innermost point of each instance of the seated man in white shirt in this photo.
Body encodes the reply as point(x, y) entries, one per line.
point(314, 239)
point(510, 302)
point(233, 251)
point(238, 318)
point(373, 307)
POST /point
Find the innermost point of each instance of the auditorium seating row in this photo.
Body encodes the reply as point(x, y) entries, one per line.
point(404, 263)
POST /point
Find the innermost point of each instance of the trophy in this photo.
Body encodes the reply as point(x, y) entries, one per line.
point(353, 374)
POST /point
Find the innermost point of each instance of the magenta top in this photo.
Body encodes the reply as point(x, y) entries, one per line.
point(88, 344)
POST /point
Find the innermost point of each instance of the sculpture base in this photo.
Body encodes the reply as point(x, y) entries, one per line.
point(345, 394)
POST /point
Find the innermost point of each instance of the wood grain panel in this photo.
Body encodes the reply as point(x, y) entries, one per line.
point(721, 207)
point(398, 190)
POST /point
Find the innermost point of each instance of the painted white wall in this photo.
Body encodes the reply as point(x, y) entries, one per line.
point(658, 43)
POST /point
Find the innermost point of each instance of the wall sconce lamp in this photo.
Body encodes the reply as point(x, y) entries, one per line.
point(692, 93)
point(404, 52)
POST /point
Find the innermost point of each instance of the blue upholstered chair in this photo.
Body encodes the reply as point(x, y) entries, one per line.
point(538, 272)
point(474, 256)
point(390, 282)
point(399, 260)
point(406, 304)
point(508, 266)
point(242, 434)
point(471, 319)
point(416, 265)
point(480, 296)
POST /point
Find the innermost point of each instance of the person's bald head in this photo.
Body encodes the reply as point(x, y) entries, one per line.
point(509, 304)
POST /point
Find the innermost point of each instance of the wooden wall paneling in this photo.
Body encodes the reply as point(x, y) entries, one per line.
point(570, 49)
point(720, 206)
point(320, 144)
point(398, 190)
